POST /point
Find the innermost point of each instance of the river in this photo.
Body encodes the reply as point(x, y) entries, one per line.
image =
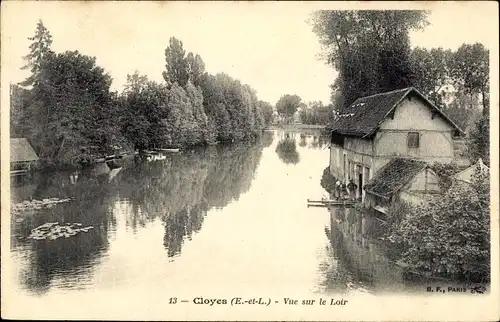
point(220, 218)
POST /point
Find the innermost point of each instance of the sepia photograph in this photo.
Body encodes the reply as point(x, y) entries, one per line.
point(172, 160)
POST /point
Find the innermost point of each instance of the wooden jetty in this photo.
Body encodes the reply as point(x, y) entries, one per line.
point(330, 203)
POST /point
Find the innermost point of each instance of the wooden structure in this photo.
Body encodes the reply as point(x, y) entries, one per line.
point(330, 203)
point(378, 128)
point(402, 179)
point(22, 156)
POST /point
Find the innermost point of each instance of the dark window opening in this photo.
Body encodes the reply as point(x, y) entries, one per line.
point(413, 140)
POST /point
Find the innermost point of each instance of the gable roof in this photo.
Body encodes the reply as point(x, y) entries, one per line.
point(394, 176)
point(363, 117)
point(468, 174)
point(21, 151)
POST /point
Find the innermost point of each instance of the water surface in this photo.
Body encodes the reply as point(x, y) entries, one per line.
point(220, 218)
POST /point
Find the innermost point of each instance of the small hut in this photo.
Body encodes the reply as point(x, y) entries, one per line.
point(22, 156)
point(401, 179)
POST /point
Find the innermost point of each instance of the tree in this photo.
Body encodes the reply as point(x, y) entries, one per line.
point(478, 142)
point(200, 118)
point(464, 109)
point(39, 51)
point(176, 64)
point(72, 110)
point(316, 113)
point(267, 112)
point(431, 72)
point(196, 68)
point(470, 71)
point(19, 98)
point(287, 105)
point(450, 235)
point(369, 49)
point(135, 83)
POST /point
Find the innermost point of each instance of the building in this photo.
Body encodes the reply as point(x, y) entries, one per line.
point(22, 155)
point(376, 129)
point(401, 179)
point(466, 176)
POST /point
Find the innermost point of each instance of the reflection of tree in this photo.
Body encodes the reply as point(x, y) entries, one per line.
point(180, 190)
point(184, 187)
point(181, 225)
point(74, 257)
point(303, 140)
point(267, 138)
point(287, 151)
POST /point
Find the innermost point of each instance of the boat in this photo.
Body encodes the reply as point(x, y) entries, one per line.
point(168, 150)
point(149, 152)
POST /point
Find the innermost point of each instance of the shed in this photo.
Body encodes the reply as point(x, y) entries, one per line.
point(408, 179)
point(22, 155)
point(21, 151)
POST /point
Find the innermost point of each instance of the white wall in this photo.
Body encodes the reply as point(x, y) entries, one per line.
point(436, 143)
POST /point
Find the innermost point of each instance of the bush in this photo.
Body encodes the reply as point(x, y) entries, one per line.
point(449, 236)
point(328, 181)
point(445, 172)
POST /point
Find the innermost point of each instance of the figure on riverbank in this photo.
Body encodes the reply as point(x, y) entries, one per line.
point(351, 187)
point(338, 190)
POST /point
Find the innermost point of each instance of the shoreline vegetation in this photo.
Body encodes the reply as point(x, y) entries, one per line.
point(70, 116)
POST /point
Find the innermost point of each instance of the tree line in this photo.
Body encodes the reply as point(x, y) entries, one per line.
point(68, 112)
point(371, 52)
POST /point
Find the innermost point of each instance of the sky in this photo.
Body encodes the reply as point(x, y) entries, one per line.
point(269, 46)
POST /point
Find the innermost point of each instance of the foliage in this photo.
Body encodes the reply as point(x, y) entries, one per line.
point(19, 98)
point(70, 115)
point(369, 49)
point(176, 63)
point(463, 110)
point(287, 105)
point(445, 173)
point(39, 50)
point(70, 110)
point(316, 113)
point(196, 68)
point(470, 71)
point(431, 72)
point(287, 151)
point(267, 112)
point(328, 181)
point(449, 235)
point(479, 140)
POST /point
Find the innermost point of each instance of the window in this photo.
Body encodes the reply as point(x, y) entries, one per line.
point(413, 140)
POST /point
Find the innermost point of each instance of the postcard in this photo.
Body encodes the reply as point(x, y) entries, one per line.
point(249, 160)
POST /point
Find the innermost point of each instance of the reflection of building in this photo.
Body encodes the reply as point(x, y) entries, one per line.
point(378, 128)
point(358, 261)
point(22, 155)
point(401, 179)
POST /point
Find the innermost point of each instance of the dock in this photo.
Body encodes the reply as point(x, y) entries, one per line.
point(330, 203)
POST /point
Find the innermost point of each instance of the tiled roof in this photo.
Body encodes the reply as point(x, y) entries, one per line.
point(394, 176)
point(21, 151)
point(363, 117)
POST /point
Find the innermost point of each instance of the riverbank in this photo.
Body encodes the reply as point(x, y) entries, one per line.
point(297, 127)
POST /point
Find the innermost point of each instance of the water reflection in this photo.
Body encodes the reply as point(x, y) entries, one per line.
point(287, 150)
point(71, 259)
point(178, 190)
point(355, 260)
